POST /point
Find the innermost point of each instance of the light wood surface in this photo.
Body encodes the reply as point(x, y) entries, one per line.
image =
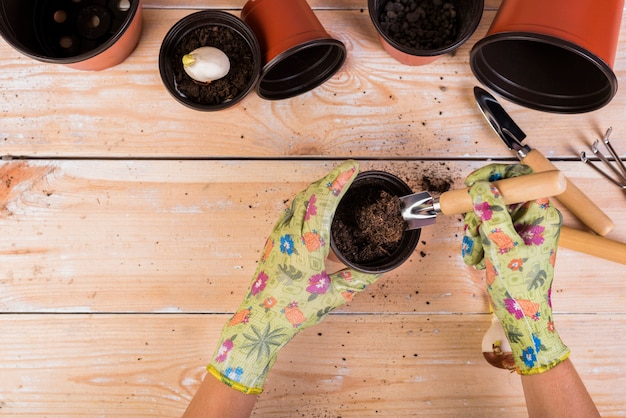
point(132, 225)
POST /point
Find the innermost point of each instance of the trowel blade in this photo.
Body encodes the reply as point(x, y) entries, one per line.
point(417, 210)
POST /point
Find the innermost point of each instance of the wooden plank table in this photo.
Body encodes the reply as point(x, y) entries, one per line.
point(131, 227)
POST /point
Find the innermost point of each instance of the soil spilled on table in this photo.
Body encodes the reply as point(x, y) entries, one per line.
point(226, 88)
point(436, 185)
point(368, 225)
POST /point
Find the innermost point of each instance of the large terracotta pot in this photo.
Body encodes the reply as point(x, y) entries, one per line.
point(554, 56)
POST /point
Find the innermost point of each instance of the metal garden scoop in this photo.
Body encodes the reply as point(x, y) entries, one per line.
point(421, 209)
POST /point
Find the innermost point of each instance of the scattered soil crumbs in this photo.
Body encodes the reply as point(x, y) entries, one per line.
point(226, 88)
point(368, 225)
point(436, 184)
point(420, 24)
point(433, 177)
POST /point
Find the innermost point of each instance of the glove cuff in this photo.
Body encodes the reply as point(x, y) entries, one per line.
point(539, 353)
point(233, 384)
point(247, 351)
point(546, 364)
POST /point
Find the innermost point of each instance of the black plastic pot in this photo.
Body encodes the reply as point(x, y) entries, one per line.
point(83, 34)
point(374, 181)
point(170, 60)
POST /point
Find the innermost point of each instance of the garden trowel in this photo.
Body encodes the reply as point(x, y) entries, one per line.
point(421, 209)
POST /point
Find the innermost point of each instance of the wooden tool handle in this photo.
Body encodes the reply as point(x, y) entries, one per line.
point(513, 190)
point(591, 244)
point(573, 198)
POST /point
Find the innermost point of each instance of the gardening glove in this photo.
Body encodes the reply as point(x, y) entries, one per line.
point(516, 245)
point(290, 290)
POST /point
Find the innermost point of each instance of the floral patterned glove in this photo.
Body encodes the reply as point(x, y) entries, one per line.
point(290, 290)
point(517, 247)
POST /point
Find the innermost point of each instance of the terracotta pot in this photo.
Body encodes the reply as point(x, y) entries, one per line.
point(298, 54)
point(373, 182)
point(468, 15)
point(170, 60)
point(554, 56)
point(85, 35)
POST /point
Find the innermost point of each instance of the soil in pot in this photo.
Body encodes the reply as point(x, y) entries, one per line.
point(420, 24)
point(369, 227)
point(226, 88)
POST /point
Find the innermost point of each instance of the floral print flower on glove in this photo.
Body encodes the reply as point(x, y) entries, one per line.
point(516, 245)
point(290, 289)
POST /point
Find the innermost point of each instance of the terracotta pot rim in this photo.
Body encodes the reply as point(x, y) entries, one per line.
point(133, 13)
point(469, 31)
point(542, 100)
point(284, 29)
point(314, 76)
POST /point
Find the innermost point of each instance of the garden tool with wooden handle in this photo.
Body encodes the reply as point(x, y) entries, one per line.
point(421, 209)
point(592, 244)
point(573, 198)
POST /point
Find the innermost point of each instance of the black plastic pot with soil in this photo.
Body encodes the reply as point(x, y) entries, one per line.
point(224, 32)
point(417, 32)
point(368, 232)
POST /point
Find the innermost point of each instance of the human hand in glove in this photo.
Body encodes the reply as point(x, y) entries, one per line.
point(290, 289)
point(516, 245)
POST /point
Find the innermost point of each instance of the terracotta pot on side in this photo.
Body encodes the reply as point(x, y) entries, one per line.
point(84, 35)
point(554, 56)
point(374, 181)
point(298, 53)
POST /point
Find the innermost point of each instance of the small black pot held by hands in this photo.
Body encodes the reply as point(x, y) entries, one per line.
point(350, 240)
point(220, 30)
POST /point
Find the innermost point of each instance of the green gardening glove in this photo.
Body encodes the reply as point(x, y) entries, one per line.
point(516, 245)
point(290, 290)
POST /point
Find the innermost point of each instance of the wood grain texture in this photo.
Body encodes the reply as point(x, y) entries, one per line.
point(373, 107)
point(185, 236)
point(131, 227)
point(150, 366)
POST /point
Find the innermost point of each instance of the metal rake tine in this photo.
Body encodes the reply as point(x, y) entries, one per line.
point(584, 159)
point(616, 157)
point(597, 152)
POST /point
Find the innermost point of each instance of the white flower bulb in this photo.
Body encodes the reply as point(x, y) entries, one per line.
point(206, 64)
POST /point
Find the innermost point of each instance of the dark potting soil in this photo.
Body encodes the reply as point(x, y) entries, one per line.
point(420, 24)
point(226, 88)
point(368, 225)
